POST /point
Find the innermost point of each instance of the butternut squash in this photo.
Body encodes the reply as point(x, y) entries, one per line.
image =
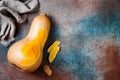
point(27, 53)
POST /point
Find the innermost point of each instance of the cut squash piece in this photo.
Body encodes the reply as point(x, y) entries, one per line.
point(55, 44)
point(47, 70)
point(53, 53)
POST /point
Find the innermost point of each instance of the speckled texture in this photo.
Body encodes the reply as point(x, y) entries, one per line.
point(89, 31)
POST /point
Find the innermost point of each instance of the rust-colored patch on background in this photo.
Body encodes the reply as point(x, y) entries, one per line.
point(108, 60)
point(8, 72)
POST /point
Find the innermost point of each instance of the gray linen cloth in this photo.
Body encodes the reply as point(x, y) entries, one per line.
point(10, 12)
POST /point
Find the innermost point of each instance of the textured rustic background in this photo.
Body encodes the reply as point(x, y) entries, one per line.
point(89, 31)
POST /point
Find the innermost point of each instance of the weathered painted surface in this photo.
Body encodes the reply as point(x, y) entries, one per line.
point(89, 31)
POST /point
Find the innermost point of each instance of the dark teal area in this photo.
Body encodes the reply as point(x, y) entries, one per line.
point(102, 24)
point(73, 56)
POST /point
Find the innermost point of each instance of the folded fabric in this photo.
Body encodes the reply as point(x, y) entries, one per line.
point(10, 12)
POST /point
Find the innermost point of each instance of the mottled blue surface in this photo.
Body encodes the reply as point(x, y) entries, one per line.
point(73, 56)
point(89, 31)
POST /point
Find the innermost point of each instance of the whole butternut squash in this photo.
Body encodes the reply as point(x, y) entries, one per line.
point(27, 53)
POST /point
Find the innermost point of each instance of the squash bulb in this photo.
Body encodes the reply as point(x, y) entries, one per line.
point(27, 53)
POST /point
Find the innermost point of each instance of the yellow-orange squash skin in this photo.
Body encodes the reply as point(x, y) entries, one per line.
point(27, 53)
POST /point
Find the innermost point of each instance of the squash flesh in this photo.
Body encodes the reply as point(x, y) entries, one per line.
point(31, 50)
